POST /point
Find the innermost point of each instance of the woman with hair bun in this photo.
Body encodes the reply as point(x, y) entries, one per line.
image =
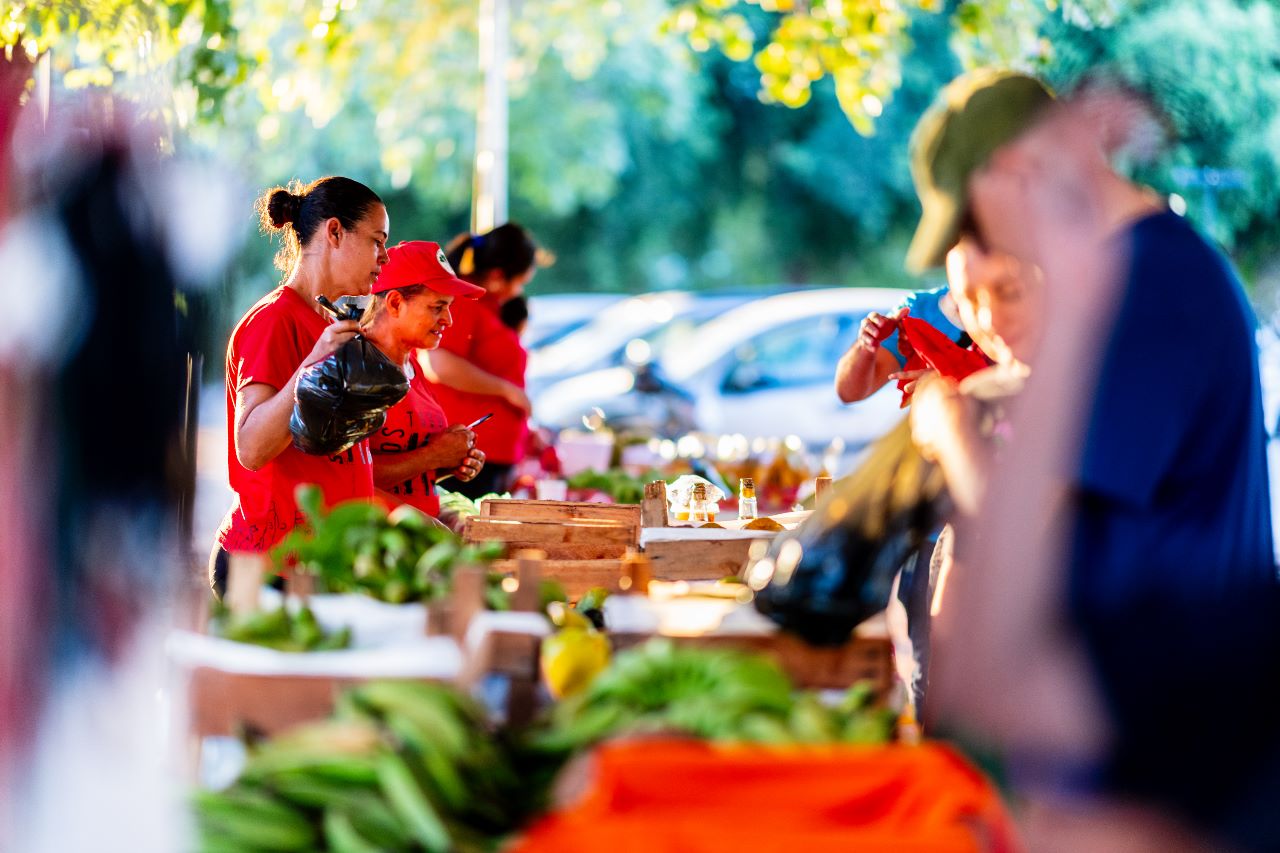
point(334, 239)
point(479, 366)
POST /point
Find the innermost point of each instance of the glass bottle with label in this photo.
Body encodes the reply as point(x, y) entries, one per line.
point(700, 509)
point(747, 499)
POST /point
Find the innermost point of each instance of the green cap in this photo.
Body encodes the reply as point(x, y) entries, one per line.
point(973, 116)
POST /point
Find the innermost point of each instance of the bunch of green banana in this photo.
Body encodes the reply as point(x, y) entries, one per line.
point(280, 629)
point(715, 694)
point(397, 557)
point(402, 766)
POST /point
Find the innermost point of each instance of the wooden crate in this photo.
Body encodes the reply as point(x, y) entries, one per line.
point(579, 539)
point(576, 576)
point(225, 703)
point(583, 542)
point(698, 554)
point(628, 514)
point(810, 667)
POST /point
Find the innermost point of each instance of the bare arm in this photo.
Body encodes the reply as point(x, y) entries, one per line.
point(861, 374)
point(944, 427)
point(449, 449)
point(446, 368)
point(866, 367)
point(262, 412)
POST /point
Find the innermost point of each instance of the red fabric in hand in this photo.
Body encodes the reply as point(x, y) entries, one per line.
point(930, 349)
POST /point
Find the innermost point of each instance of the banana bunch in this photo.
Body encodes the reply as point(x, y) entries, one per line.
point(397, 557)
point(402, 766)
point(278, 629)
point(713, 694)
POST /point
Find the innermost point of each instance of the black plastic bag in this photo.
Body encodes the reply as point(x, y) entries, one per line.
point(344, 398)
point(837, 568)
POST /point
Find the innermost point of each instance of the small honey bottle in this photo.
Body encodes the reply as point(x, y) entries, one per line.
point(699, 506)
point(747, 499)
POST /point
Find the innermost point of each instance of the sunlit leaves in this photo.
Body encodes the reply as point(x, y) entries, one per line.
point(860, 44)
point(129, 46)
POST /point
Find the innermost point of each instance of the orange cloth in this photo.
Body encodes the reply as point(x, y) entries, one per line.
point(691, 797)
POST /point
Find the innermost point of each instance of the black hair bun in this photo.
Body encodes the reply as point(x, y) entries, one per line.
point(283, 208)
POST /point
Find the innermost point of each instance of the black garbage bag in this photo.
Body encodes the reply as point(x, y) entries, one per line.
point(837, 568)
point(344, 398)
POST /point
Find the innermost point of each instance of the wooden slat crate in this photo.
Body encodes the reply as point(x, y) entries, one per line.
point(583, 542)
point(811, 667)
point(579, 539)
point(576, 576)
point(697, 560)
point(559, 511)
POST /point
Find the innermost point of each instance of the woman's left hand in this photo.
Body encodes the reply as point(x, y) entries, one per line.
point(470, 466)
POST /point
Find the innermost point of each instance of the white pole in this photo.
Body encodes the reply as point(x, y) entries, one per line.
point(489, 180)
point(44, 85)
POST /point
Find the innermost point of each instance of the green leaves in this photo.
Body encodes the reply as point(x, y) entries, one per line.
point(714, 694)
point(357, 547)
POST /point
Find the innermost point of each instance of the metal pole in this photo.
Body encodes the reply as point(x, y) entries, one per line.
point(489, 179)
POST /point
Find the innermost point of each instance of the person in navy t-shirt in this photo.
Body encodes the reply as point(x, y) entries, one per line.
point(1149, 668)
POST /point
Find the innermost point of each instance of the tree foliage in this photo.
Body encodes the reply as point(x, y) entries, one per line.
point(648, 147)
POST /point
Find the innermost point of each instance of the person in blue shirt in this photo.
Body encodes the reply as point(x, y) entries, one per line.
point(876, 357)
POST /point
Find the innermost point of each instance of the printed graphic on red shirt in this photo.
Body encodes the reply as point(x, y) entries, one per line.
point(409, 426)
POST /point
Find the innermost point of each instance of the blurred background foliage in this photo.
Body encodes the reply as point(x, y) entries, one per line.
point(654, 144)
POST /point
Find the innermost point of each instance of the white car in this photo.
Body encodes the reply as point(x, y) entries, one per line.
point(554, 315)
point(765, 368)
point(635, 328)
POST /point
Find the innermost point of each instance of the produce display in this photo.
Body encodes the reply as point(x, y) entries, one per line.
point(615, 483)
point(720, 695)
point(402, 766)
point(461, 505)
point(278, 628)
point(408, 766)
point(398, 557)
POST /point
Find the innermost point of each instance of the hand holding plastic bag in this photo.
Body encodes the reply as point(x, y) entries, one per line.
point(344, 398)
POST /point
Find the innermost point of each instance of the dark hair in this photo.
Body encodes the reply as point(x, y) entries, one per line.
point(379, 301)
point(508, 248)
point(514, 312)
point(299, 210)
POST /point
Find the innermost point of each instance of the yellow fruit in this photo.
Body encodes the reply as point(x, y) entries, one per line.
point(571, 658)
point(564, 616)
point(764, 523)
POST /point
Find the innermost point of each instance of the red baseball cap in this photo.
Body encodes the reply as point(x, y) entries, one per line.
point(422, 262)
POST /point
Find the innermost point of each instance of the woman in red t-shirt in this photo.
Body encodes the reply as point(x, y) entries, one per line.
point(411, 312)
point(334, 242)
point(479, 366)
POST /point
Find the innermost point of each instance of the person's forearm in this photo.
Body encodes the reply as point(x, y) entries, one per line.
point(446, 368)
point(965, 461)
point(391, 469)
point(262, 432)
point(861, 373)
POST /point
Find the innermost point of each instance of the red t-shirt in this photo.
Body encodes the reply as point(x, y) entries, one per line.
point(267, 346)
point(479, 335)
point(410, 424)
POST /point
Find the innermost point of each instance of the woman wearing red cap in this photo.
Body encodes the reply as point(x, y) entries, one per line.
point(334, 242)
point(411, 312)
point(479, 367)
